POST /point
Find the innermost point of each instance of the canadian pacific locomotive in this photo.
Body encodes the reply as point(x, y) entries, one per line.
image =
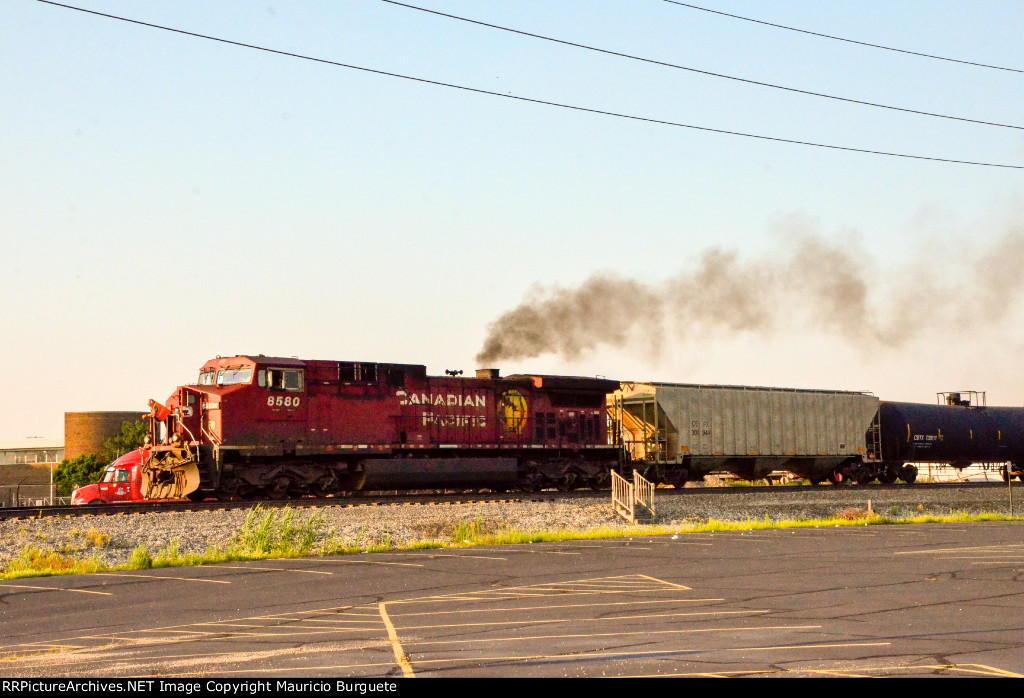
point(260, 426)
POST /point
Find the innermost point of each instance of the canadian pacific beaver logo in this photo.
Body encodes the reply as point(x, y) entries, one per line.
point(513, 406)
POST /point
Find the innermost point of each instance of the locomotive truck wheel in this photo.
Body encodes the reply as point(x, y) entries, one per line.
point(530, 482)
point(245, 491)
point(600, 482)
point(567, 482)
point(326, 485)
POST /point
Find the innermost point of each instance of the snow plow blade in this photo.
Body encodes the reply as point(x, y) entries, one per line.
point(175, 475)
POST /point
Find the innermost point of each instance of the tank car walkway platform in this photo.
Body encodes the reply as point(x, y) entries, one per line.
point(867, 601)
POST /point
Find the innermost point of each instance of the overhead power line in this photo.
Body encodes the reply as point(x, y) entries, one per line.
point(530, 100)
point(849, 41)
point(697, 70)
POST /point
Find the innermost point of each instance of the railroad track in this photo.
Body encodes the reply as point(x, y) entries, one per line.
point(379, 499)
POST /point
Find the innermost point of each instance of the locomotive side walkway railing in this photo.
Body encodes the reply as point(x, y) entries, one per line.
point(627, 496)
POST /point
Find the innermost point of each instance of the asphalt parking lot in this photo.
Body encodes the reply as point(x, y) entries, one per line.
point(939, 599)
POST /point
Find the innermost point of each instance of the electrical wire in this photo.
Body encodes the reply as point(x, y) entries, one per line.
point(530, 100)
point(849, 41)
point(697, 70)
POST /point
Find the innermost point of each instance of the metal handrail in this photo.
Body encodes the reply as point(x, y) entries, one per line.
point(622, 497)
point(643, 492)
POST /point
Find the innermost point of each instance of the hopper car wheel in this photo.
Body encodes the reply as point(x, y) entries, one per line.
point(815, 481)
point(196, 496)
point(678, 478)
point(864, 476)
point(1004, 473)
point(887, 476)
point(908, 473)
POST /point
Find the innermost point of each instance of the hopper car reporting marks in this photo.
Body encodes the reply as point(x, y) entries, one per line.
point(257, 426)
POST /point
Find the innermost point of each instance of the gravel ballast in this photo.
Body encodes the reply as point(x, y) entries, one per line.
point(112, 538)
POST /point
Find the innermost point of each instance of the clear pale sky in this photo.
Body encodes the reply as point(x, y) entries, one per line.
point(165, 199)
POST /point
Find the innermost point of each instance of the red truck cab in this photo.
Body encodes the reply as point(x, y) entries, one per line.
point(122, 482)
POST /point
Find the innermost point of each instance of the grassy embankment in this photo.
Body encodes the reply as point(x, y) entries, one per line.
point(268, 534)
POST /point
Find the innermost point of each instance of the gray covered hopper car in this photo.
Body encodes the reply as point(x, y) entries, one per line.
point(675, 432)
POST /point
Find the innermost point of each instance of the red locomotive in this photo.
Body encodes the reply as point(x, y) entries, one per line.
point(260, 426)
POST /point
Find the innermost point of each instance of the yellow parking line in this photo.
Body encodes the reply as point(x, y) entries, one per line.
point(269, 569)
point(287, 633)
point(431, 555)
point(662, 581)
point(79, 591)
point(638, 602)
point(400, 656)
point(307, 621)
point(371, 562)
point(990, 548)
point(556, 657)
point(994, 670)
point(548, 621)
point(40, 647)
point(161, 576)
point(560, 593)
point(688, 631)
point(980, 669)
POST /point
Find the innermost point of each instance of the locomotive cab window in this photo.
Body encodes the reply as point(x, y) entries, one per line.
point(281, 379)
point(234, 376)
